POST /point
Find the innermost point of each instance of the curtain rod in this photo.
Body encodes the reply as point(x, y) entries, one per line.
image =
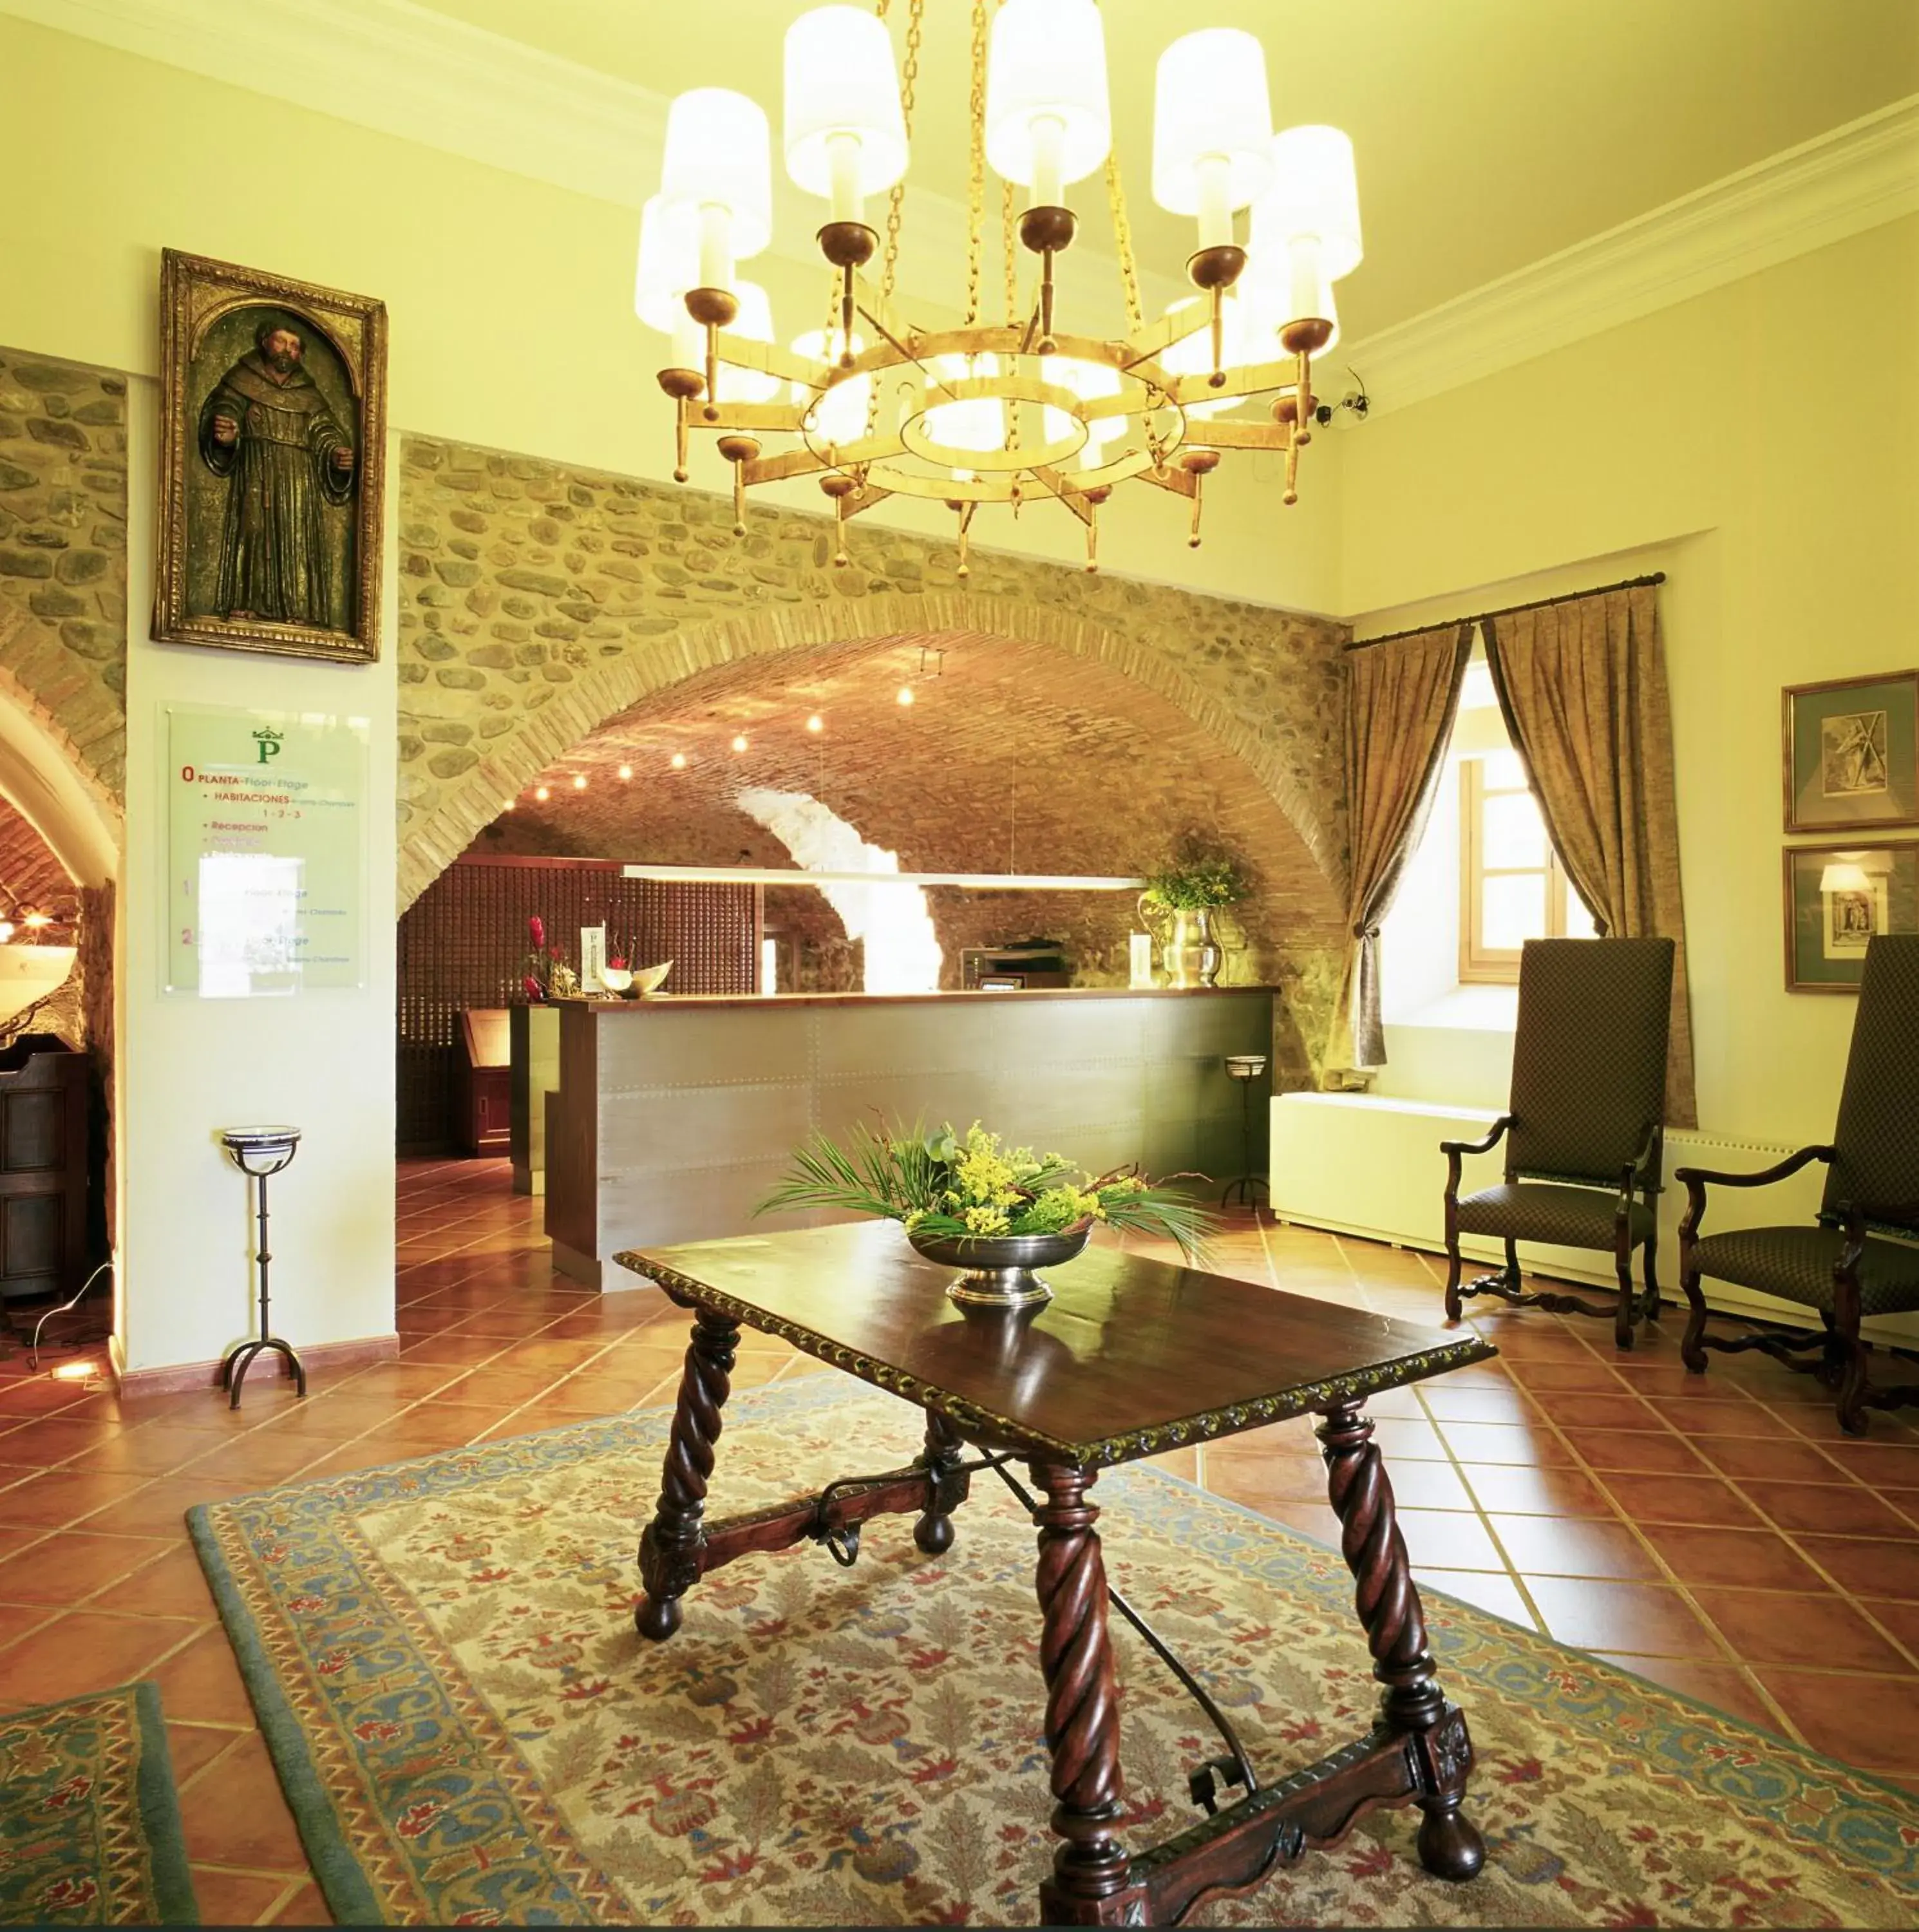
point(1508, 611)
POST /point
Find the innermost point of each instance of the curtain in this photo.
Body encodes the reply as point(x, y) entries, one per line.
point(1400, 702)
point(1582, 685)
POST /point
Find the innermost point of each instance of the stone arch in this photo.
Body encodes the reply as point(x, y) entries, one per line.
point(538, 601)
point(48, 780)
point(480, 795)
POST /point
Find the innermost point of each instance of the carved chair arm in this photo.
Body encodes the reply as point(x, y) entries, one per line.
point(1456, 1152)
point(1486, 1146)
point(1698, 1179)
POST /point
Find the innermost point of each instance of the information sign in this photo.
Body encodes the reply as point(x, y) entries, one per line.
point(267, 851)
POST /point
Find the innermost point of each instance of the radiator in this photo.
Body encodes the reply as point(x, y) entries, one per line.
point(1369, 1165)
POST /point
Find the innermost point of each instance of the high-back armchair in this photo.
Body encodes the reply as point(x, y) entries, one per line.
point(1584, 1130)
point(1861, 1256)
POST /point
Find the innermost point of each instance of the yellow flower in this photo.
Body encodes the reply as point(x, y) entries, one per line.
point(985, 1221)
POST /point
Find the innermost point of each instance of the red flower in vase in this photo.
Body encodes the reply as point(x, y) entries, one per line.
point(534, 991)
point(536, 928)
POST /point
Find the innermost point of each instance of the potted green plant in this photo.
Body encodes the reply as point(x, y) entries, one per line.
point(995, 1212)
point(1192, 887)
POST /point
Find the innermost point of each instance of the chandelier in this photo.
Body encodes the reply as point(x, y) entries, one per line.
point(1024, 408)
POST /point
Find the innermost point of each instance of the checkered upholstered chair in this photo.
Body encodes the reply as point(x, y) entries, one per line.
point(1585, 1128)
point(1861, 1256)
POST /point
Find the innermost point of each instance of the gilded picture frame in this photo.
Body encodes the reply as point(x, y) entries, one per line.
point(273, 463)
point(1838, 897)
point(1852, 754)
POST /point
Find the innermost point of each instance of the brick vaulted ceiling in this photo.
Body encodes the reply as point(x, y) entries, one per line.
point(1011, 758)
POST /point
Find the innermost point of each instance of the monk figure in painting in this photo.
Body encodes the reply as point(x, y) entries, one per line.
point(268, 429)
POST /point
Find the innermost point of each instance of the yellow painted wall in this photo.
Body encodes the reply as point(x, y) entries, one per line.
point(1760, 443)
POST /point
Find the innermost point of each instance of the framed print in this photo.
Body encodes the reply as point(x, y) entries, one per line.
point(273, 454)
point(1852, 753)
point(1838, 897)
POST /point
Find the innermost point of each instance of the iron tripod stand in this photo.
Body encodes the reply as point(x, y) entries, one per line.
point(1245, 1068)
point(269, 1149)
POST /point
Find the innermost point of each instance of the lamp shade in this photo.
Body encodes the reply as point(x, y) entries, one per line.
point(841, 81)
point(1283, 283)
point(755, 322)
point(1090, 382)
point(1192, 354)
point(1315, 196)
point(977, 423)
point(1047, 120)
point(1211, 119)
point(1845, 875)
point(840, 415)
point(668, 264)
point(719, 154)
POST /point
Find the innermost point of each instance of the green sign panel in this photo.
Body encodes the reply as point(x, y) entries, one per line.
point(267, 851)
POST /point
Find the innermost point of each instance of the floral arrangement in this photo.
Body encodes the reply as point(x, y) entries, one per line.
point(545, 975)
point(1195, 883)
point(954, 1187)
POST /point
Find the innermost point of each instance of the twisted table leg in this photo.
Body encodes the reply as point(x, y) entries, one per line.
point(1090, 1870)
point(1389, 1606)
point(945, 1487)
point(669, 1549)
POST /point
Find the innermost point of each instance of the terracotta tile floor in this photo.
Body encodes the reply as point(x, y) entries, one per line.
point(1718, 1535)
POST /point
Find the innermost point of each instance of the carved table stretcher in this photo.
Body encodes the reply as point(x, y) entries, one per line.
point(1131, 1357)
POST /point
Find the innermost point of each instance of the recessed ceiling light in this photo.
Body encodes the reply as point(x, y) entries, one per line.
point(904, 694)
point(679, 761)
point(511, 805)
point(580, 782)
point(541, 792)
point(625, 772)
point(816, 723)
point(739, 742)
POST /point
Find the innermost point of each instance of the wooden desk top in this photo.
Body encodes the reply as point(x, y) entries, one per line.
point(1129, 1358)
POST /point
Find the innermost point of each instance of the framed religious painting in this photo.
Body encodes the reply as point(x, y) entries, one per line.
point(1852, 753)
point(1838, 897)
point(273, 457)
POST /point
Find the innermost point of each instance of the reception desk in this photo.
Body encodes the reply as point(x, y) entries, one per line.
point(673, 1117)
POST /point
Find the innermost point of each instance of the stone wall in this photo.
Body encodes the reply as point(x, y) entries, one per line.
point(536, 601)
point(63, 557)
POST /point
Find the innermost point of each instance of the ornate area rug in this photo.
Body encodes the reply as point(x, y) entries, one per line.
point(443, 1659)
point(89, 1819)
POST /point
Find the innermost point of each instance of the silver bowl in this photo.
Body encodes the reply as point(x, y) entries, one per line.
point(999, 1271)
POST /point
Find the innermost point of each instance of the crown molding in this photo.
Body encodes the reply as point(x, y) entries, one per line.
point(405, 70)
point(1851, 178)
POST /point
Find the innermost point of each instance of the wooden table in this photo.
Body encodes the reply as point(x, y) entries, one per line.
point(1131, 1358)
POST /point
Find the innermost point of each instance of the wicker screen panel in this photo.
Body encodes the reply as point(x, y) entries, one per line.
point(464, 943)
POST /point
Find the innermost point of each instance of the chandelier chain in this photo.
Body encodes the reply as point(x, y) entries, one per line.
point(976, 185)
point(1122, 237)
point(1006, 251)
point(916, 17)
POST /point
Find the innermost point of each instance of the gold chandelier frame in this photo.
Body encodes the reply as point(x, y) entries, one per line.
point(1170, 447)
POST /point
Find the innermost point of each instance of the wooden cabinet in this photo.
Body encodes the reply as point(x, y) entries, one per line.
point(42, 1168)
point(483, 1081)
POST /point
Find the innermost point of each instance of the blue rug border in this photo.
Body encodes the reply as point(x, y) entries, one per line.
point(156, 1796)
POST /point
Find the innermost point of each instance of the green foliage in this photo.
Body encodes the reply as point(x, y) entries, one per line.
point(969, 1187)
point(1193, 883)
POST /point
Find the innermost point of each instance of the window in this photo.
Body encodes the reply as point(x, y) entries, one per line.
point(1511, 886)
